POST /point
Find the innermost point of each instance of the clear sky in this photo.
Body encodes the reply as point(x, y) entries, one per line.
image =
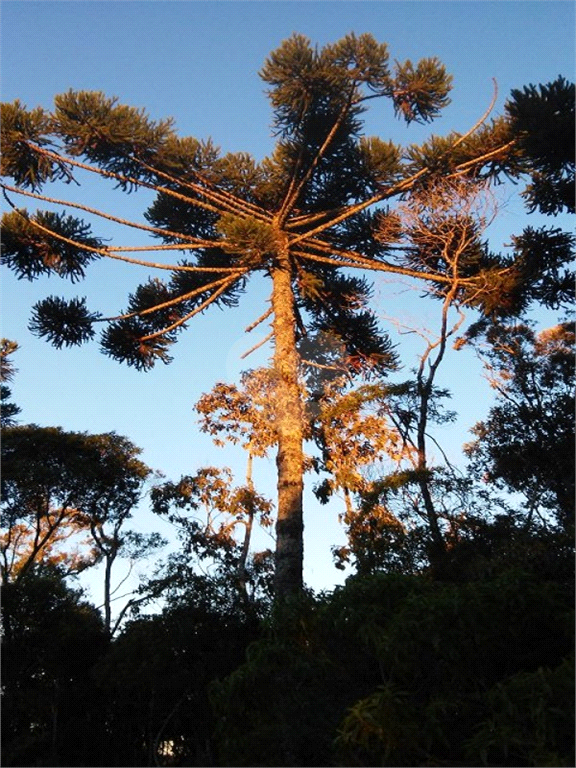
point(198, 62)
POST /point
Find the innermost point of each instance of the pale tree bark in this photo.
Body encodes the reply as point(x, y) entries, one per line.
point(289, 426)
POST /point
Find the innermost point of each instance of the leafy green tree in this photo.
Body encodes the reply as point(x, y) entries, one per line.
point(526, 444)
point(59, 486)
point(405, 670)
point(156, 677)
point(316, 206)
point(206, 509)
point(9, 410)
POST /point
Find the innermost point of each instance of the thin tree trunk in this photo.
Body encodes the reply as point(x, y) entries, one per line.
point(288, 417)
point(109, 559)
point(242, 572)
point(439, 545)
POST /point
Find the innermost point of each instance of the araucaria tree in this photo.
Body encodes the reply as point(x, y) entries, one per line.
point(314, 209)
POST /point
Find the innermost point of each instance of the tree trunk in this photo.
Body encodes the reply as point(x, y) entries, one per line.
point(438, 547)
point(242, 571)
point(109, 559)
point(288, 417)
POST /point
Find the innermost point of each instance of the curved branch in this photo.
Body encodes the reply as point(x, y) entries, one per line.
point(111, 255)
point(482, 119)
point(97, 212)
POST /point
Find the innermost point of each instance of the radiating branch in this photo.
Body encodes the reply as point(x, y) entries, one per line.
point(351, 210)
point(221, 197)
point(379, 266)
point(166, 304)
point(191, 314)
point(126, 179)
point(101, 214)
point(292, 196)
point(111, 255)
point(259, 320)
point(257, 346)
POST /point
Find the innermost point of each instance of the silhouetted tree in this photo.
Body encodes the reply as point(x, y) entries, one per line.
point(526, 443)
point(66, 499)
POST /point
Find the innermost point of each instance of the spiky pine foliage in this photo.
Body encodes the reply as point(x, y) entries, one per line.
point(22, 131)
point(108, 133)
point(543, 118)
point(62, 322)
point(46, 243)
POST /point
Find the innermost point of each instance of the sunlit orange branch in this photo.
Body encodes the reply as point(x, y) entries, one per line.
point(310, 218)
point(380, 266)
point(191, 314)
point(125, 179)
point(351, 210)
point(169, 247)
point(166, 304)
point(469, 163)
point(97, 212)
point(171, 267)
point(259, 320)
point(257, 346)
point(111, 255)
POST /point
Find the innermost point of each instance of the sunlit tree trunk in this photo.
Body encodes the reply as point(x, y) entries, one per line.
point(288, 418)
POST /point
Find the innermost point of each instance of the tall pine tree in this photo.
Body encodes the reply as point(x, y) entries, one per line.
point(316, 208)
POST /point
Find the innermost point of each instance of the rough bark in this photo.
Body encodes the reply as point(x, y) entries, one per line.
point(288, 419)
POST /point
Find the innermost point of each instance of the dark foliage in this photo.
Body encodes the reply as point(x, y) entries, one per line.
point(52, 713)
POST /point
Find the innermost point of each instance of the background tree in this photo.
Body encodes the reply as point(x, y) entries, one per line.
point(58, 486)
point(312, 208)
point(8, 410)
point(52, 712)
point(543, 120)
point(206, 509)
point(537, 114)
point(526, 443)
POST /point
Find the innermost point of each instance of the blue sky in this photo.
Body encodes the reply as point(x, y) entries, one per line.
point(198, 62)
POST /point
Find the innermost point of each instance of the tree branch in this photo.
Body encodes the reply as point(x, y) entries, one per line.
point(195, 311)
point(101, 214)
point(257, 346)
point(111, 255)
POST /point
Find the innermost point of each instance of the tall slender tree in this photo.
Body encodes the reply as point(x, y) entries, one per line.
point(302, 216)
